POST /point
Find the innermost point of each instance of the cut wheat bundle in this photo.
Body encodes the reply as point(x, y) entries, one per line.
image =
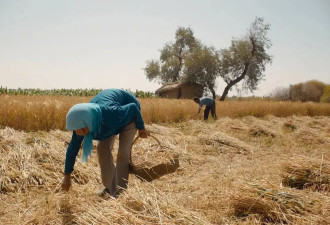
point(303, 174)
point(152, 159)
point(271, 205)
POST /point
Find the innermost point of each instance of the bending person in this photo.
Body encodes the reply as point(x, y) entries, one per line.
point(210, 106)
point(108, 114)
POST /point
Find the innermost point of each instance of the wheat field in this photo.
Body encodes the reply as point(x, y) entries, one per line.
point(34, 113)
point(240, 169)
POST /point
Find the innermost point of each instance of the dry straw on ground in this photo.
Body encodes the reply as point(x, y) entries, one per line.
point(280, 206)
point(150, 159)
point(308, 174)
point(218, 161)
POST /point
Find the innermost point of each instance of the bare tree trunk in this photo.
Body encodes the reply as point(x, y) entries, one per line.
point(213, 93)
point(233, 82)
point(225, 92)
point(238, 79)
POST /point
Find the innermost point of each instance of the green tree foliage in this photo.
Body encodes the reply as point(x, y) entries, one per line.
point(202, 67)
point(188, 60)
point(308, 91)
point(185, 60)
point(246, 58)
point(170, 66)
point(326, 94)
point(142, 94)
point(57, 92)
point(65, 92)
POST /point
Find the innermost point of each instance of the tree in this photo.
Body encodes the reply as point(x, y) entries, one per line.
point(308, 91)
point(170, 66)
point(326, 94)
point(314, 90)
point(296, 93)
point(202, 67)
point(185, 60)
point(246, 58)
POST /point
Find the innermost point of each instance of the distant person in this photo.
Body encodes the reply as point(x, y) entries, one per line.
point(109, 113)
point(210, 105)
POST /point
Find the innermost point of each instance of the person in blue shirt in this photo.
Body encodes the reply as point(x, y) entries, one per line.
point(209, 106)
point(109, 113)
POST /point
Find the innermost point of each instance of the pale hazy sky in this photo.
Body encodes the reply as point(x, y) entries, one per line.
point(105, 44)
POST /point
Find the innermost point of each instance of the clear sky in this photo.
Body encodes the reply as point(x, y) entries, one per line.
point(105, 44)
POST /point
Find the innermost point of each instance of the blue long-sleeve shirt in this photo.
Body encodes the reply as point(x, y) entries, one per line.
point(119, 108)
point(206, 101)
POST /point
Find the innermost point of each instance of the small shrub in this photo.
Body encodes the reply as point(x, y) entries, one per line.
point(326, 95)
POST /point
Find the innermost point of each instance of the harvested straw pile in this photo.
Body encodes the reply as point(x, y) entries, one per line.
point(34, 160)
point(225, 143)
point(265, 205)
point(289, 126)
point(31, 174)
point(309, 136)
point(150, 159)
point(307, 174)
point(258, 131)
point(216, 158)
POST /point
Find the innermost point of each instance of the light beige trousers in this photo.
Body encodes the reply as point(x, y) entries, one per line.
point(115, 178)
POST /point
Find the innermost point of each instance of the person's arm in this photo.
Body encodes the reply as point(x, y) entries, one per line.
point(199, 109)
point(143, 133)
point(70, 159)
point(200, 105)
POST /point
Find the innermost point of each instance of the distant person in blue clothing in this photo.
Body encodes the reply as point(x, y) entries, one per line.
point(210, 106)
point(109, 113)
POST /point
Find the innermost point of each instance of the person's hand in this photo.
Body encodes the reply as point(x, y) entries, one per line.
point(66, 184)
point(143, 133)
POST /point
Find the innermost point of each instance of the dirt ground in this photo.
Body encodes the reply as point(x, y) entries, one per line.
point(232, 171)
